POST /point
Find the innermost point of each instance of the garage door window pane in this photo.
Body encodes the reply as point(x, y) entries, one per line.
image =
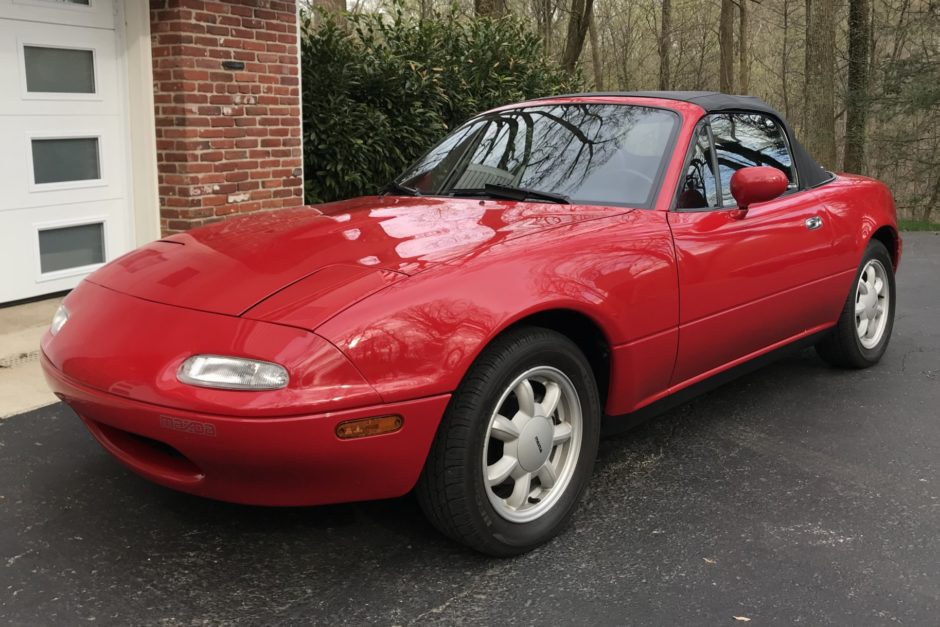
point(71, 247)
point(59, 70)
point(62, 160)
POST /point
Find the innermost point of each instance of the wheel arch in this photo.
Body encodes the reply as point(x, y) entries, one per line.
point(582, 329)
point(889, 236)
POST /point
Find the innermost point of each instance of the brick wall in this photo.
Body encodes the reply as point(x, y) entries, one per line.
point(227, 98)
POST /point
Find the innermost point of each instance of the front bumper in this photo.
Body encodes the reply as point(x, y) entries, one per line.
point(295, 460)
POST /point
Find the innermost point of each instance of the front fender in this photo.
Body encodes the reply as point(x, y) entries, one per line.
point(419, 336)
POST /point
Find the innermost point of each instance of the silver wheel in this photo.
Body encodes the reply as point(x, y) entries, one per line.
point(872, 302)
point(532, 444)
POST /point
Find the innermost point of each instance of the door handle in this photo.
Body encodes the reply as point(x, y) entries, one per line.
point(813, 223)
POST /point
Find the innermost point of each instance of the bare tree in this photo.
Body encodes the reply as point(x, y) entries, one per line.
point(490, 8)
point(665, 44)
point(726, 46)
point(934, 200)
point(785, 59)
point(626, 34)
point(819, 128)
point(596, 59)
point(333, 6)
point(544, 17)
point(578, 23)
point(856, 100)
point(743, 58)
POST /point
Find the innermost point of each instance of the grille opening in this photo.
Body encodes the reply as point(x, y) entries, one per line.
point(148, 454)
point(158, 446)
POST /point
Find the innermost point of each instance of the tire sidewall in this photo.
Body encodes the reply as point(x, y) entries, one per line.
point(562, 354)
point(875, 250)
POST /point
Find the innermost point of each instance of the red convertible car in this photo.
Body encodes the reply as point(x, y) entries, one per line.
point(550, 270)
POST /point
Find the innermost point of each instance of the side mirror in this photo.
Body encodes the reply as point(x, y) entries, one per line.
point(757, 184)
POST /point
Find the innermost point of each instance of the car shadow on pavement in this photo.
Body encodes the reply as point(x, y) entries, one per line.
point(97, 493)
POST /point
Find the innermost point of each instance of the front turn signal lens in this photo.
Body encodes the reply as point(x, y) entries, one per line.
point(364, 427)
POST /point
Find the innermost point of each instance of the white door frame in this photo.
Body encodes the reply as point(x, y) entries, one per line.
point(141, 131)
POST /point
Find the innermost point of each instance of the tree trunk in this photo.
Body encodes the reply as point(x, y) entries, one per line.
point(578, 23)
point(490, 8)
point(704, 41)
point(743, 61)
point(665, 44)
point(934, 200)
point(856, 99)
point(544, 12)
point(784, 64)
point(623, 36)
point(596, 60)
point(726, 46)
point(819, 127)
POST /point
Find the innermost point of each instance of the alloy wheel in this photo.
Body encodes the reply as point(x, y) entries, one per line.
point(532, 444)
point(872, 299)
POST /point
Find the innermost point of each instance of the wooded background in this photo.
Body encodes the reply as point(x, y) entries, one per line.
point(858, 79)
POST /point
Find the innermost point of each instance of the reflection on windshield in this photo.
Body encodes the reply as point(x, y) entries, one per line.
point(591, 153)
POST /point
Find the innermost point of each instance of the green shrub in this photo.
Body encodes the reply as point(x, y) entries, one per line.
point(378, 90)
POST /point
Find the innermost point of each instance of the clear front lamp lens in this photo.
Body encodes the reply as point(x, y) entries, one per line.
point(232, 373)
point(59, 319)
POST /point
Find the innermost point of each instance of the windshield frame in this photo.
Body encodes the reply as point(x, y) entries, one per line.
point(655, 188)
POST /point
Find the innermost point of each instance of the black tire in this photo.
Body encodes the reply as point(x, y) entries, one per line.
point(842, 347)
point(451, 490)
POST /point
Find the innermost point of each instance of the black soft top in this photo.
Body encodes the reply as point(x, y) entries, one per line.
point(809, 172)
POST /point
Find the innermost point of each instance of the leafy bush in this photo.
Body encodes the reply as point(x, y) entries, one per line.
point(379, 90)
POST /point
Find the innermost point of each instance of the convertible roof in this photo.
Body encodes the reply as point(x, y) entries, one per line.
point(810, 173)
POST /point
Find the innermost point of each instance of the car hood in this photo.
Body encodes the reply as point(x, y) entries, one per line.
point(231, 266)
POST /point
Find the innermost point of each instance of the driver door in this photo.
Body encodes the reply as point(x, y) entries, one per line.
point(746, 284)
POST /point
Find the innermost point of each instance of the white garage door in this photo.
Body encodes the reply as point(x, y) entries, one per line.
point(64, 206)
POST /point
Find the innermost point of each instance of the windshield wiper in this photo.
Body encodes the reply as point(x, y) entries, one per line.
point(401, 190)
point(513, 193)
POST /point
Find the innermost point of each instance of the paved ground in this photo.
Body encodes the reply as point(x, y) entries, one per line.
point(22, 386)
point(798, 494)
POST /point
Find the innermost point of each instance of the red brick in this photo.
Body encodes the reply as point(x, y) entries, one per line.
point(222, 132)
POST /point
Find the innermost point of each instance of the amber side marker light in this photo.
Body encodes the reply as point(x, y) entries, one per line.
point(364, 427)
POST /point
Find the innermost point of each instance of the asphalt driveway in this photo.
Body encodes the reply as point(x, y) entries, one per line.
point(797, 494)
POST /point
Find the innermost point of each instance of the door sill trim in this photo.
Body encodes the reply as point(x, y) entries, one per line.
point(613, 424)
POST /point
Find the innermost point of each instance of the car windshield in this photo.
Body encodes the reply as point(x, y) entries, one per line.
point(583, 153)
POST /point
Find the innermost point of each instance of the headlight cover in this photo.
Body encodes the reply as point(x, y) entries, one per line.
point(232, 373)
point(59, 319)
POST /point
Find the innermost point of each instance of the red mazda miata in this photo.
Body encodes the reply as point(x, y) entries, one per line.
point(550, 268)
